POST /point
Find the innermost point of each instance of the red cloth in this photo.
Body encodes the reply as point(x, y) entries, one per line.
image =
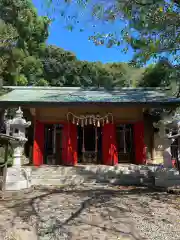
point(38, 147)
point(69, 154)
point(140, 148)
point(109, 146)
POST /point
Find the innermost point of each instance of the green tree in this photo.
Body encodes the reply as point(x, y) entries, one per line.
point(27, 33)
point(27, 59)
point(151, 28)
point(156, 75)
point(61, 68)
point(8, 36)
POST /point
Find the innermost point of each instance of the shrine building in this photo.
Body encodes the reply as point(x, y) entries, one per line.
point(91, 126)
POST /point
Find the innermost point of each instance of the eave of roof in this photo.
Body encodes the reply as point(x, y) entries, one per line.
point(55, 96)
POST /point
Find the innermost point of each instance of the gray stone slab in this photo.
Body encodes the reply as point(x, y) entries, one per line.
point(160, 182)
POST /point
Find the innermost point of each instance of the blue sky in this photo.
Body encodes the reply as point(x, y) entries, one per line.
point(78, 43)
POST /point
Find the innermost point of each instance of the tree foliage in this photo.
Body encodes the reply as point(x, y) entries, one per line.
point(25, 35)
point(150, 27)
point(156, 75)
point(26, 58)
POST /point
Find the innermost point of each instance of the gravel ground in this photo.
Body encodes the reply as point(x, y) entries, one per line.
point(90, 212)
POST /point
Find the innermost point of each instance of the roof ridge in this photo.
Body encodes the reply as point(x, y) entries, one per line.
point(85, 88)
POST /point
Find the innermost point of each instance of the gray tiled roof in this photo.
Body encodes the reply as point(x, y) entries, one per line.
point(56, 95)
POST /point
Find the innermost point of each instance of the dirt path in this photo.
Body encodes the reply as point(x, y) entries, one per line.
point(95, 212)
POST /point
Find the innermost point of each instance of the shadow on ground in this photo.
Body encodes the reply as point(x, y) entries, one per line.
point(54, 212)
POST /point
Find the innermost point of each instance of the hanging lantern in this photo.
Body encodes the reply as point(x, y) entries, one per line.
point(107, 120)
point(73, 121)
point(98, 123)
point(86, 121)
point(94, 121)
point(103, 122)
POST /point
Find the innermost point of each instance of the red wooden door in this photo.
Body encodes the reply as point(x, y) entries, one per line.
point(38, 148)
point(140, 148)
point(69, 152)
point(109, 146)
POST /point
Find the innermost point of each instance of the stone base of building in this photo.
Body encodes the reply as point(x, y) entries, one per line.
point(167, 178)
point(18, 178)
point(121, 174)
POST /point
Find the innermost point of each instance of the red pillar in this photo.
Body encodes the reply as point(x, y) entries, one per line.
point(109, 146)
point(140, 148)
point(38, 148)
point(69, 154)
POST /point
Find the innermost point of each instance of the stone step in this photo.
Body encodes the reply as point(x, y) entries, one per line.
point(125, 175)
point(78, 179)
point(97, 171)
point(159, 182)
point(94, 169)
point(61, 181)
point(61, 176)
point(90, 175)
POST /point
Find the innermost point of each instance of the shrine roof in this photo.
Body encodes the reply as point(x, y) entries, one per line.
point(75, 95)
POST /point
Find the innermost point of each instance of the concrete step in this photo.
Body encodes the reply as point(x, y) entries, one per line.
point(77, 181)
point(60, 181)
point(119, 174)
point(84, 171)
point(90, 176)
point(159, 182)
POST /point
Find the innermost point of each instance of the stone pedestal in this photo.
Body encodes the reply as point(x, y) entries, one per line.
point(18, 178)
point(18, 149)
point(167, 159)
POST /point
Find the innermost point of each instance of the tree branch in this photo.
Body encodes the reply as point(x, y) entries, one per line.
point(153, 2)
point(145, 3)
point(168, 50)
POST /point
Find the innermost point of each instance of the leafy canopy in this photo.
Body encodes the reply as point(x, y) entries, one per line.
point(26, 58)
point(150, 27)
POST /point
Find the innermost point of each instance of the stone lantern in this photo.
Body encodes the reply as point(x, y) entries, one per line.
point(17, 176)
point(163, 125)
point(168, 176)
point(168, 123)
point(17, 128)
